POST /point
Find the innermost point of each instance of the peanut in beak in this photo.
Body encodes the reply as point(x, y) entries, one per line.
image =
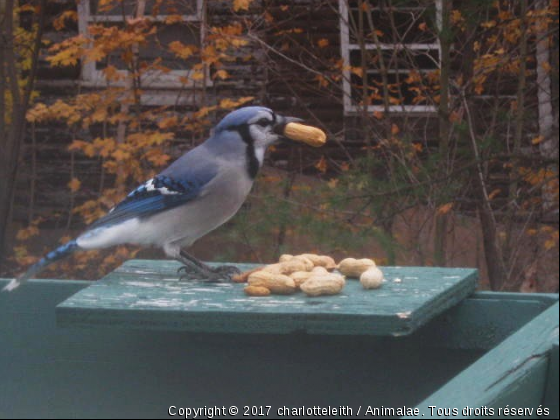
point(312, 136)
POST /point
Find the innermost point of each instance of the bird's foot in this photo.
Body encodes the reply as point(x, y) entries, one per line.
point(186, 272)
point(226, 272)
point(218, 274)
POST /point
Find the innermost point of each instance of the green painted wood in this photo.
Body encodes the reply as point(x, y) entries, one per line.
point(512, 375)
point(552, 383)
point(147, 294)
point(483, 320)
point(52, 372)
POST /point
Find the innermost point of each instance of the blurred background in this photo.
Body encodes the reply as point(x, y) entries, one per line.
point(442, 122)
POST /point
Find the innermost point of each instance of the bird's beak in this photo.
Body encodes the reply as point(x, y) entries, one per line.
point(281, 123)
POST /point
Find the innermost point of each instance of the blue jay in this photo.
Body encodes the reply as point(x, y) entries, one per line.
point(197, 193)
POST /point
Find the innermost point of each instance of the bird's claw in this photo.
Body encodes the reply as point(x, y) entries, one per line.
point(222, 273)
point(227, 270)
point(187, 273)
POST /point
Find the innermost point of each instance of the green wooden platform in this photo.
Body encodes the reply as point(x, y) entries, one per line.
point(147, 295)
point(492, 350)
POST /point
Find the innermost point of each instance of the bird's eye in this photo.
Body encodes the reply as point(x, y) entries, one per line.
point(263, 122)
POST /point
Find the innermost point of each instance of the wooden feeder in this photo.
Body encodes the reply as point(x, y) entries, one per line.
point(139, 342)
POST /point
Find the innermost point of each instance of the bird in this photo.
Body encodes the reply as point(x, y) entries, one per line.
point(197, 193)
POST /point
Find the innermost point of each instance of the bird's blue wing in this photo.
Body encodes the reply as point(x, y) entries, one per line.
point(158, 194)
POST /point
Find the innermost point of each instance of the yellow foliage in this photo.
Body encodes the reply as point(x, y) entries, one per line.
point(241, 5)
point(28, 232)
point(444, 208)
point(221, 74)
point(181, 50)
point(231, 104)
point(112, 110)
point(74, 184)
point(60, 21)
point(68, 52)
point(168, 122)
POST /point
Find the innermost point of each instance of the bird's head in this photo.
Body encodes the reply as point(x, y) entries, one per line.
point(256, 124)
point(252, 128)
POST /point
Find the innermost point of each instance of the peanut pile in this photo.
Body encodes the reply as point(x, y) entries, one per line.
point(313, 274)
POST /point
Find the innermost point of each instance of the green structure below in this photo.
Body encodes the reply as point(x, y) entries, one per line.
point(148, 295)
point(493, 350)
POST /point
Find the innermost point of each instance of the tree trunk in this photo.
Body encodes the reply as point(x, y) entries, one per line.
point(445, 39)
point(12, 133)
point(549, 144)
point(8, 137)
point(492, 251)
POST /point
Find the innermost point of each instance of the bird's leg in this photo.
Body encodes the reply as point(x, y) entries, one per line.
point(190, 270)
point(198, 268)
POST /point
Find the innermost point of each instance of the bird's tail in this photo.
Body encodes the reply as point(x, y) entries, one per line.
point(59, 253)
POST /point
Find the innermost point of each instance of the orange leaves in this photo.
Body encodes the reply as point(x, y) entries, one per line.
point(181, 50)
point(322, 165)
point(231, 104)
point(539, 176)
point(239, 5)
point(85, 147)
point(22, 256)
point(550, 243)
point(121, 155)
point(322, 80)
point(444, 208)
point(148, 138)
point(537, 140)
point(197, 75)
point(546, 66)
point(455, 116)
point(223, 38)
point(109, 39)
point(494, 193)
point(60, 21)
point(221, 74)
point(358, 71)
point(323, 42)
point(60, 110)
point(172, 19)
point(74, 184)
point(112, 74)
point(67, 52)
point(29, 231)
point(156, 157)
point(168, 122)
point(488, 24)
point(332, 183)
point(413, 77)
point(37, 113)
point(129, 140)
point(457, 18)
